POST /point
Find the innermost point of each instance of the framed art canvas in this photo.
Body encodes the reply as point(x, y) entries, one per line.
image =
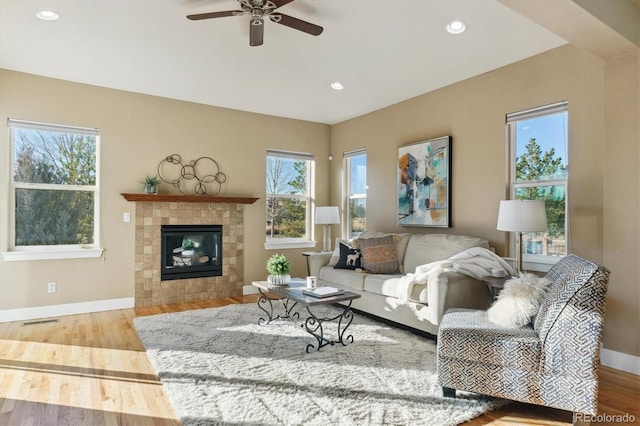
point(424, 183)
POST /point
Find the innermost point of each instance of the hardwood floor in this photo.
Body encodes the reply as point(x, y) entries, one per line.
point(91, 369)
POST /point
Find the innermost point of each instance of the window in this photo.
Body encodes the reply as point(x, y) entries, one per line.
point(356, 183)
point(288, 200)
point(54, 188)
point(539, 171)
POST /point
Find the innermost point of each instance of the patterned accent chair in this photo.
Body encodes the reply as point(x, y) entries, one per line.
point(553, 361)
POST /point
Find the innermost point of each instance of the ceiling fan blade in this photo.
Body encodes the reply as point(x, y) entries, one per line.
point(215, 15)
point(298, 24)
point(256, 32)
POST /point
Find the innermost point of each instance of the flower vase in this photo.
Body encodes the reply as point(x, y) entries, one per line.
point(278, 280)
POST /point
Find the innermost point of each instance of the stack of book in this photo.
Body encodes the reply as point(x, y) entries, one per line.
point(321, 292)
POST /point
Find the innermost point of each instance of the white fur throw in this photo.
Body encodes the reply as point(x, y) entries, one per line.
point(519, 301)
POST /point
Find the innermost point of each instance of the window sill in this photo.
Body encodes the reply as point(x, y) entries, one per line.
point(272, 245)
point(80, 253)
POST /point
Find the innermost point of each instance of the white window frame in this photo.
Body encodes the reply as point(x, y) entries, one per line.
point(307, 241)
point(60, 251)
point(347, 156)
point(535, 262)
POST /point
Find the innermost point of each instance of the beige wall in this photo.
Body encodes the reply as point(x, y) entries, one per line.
point(473, 112)
point(622, 202)
point(137, 132)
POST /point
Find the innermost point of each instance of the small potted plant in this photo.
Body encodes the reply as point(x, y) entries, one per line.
point(188, 247)
point(278, 267)
point(150, 184)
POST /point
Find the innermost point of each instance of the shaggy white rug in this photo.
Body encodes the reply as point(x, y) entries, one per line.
point(218, 366)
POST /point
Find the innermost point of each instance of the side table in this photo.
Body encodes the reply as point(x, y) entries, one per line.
point(495, 284)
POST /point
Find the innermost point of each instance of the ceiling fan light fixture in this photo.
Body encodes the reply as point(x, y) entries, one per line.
point(47, 15)
point(258, 10)
point(456, 27)
point(336, 85)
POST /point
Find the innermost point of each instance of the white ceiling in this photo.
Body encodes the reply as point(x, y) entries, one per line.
point(382, 51)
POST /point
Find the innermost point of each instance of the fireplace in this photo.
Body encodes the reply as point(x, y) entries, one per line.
point(155, 211)
point(190, 251)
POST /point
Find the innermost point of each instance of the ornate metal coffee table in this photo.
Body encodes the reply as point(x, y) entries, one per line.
point(290, 295)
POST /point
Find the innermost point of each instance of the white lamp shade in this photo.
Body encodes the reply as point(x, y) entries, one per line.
point(522, 216)
point(327, 215)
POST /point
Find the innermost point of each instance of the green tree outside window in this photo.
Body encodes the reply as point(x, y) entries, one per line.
point(54, 175)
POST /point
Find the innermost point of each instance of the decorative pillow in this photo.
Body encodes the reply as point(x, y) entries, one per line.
point(349, 257)
point(335, 256)
point(379, 255)
point(519, 301)
point(401, 241)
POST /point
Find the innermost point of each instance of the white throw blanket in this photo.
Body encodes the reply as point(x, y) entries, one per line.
point(475, 262)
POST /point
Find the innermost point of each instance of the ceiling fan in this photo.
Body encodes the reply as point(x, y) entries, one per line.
point(259, 9)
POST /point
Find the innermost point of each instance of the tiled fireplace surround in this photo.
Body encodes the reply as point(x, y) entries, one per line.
point(150, 215)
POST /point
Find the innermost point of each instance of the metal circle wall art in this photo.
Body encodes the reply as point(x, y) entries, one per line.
point(192, 178)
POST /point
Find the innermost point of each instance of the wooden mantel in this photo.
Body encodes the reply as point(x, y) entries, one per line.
point(180, 198)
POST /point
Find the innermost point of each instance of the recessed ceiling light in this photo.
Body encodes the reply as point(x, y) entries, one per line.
point(47, 15)
point(336, 85)
point(456, 27)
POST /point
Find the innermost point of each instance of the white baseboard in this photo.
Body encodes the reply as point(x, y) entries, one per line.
point(249, 289)
point(23, 314)
point(620, 361)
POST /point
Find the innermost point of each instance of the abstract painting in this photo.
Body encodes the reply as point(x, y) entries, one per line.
point(424, 183)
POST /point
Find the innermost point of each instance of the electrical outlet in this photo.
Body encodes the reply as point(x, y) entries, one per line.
point(52, 287)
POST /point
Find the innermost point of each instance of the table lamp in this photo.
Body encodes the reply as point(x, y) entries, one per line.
point(327, 216)
point(521, 216)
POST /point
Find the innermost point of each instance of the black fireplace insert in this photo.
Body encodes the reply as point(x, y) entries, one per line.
point(191, 251)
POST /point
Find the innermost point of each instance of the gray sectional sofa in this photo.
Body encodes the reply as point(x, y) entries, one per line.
point(426, 303)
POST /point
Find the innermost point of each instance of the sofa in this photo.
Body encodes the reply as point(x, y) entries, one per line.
point(379, 291)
